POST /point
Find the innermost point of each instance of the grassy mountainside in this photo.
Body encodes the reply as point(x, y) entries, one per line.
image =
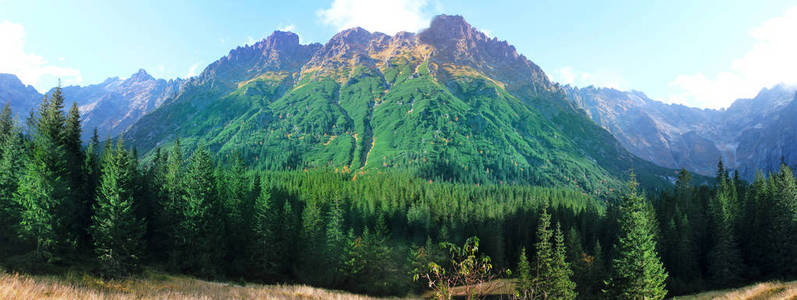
point(448, 103)
point(151, 285)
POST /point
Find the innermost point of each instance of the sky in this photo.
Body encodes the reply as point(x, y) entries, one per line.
point(699, 53)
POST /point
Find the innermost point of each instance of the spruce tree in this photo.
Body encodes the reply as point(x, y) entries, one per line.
point(312, 242)
point(563, 286)
point(43, 195)
point(724, 257)
point(637, 271)
point(12, 161)
point(115, 230)
point(784, 223)
point(172, 202)
point(200, 240)
point(544, 260)
point(525, 283)
point(264, 243)
point(335, 240)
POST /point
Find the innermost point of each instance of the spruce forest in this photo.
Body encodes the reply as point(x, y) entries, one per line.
point(384, 233)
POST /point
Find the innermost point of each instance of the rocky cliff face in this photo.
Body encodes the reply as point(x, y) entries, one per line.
point(745, 135)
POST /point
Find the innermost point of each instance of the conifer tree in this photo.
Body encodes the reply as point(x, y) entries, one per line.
point(544, 260)
point(200, 242)
point(637, 271)
point(724, 257)
point(264, 242)
point(335, 239)
point(563, 286)
point(173, 201)
point(115, 230)
point(46, 209)
point(525, 283)
point(784, 222)
point(312, 242)
point(12, 160)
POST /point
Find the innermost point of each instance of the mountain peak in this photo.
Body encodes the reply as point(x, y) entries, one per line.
point(279, 40)
point(141, 75)
point(450, 27)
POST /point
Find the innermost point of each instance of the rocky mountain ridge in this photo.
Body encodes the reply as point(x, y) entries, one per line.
point(744, 135)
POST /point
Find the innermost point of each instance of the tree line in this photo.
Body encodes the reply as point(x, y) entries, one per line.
point(370, 231)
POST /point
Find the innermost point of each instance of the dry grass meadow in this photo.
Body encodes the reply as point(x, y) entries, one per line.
point(151, 285)
point(761, 291)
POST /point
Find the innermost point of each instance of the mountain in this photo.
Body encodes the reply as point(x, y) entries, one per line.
point(751, 134)
point(110, 106)
point(115, 104)
point(446, 103)
point(22, 98)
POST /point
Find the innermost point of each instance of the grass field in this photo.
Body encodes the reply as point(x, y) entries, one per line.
point(150, 285)
point(761, 291)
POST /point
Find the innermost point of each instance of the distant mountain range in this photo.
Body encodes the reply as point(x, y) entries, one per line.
point(448, 102)
point(110, 106)
point(750, 135)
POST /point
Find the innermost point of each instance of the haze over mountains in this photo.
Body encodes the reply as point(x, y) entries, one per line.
point(750, 135)
point(448, 102)
point(110, 106)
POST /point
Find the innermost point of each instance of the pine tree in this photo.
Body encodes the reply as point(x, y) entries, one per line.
point(173, 202)
point(46, 209)
point(200, 240)
point(12, 160)
point(784, 222)
point(312, 242)
point(335, 240)
point(544, 260)
point(115, 230)
point(7, 123)
point(637, 271)
point(525, 283)
point(264, 242)
point(724, 257)
point(563, 286)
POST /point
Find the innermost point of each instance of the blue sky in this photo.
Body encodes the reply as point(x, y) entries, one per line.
point(700, 53)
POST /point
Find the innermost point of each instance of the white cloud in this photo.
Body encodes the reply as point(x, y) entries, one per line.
point(30, 68)
point(289, 27)
point(568, 75)
point(192, 71)
point(250, 40)
point(771, 60)
point(377, 15)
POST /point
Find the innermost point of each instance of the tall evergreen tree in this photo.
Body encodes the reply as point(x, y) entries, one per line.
point(115, 230)
point(525, 282)
point(335, 240)
point(637, 271)
point(563, 286)
point(784, 223)
point(200, 239)
point(12, 160)
point(312, 242)
point(544, 260)
point(264, 242)
point(724, 257)
point(47, 210)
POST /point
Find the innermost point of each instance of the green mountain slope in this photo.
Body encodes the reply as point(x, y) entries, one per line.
point(446, 104)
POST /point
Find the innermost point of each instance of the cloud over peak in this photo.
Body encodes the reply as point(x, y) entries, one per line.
point(376, 15)
point(32, 69)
